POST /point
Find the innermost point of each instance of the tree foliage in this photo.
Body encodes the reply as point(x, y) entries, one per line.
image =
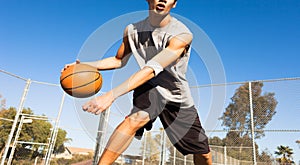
point(285, 155)
point(237, 113)
point(38, 131)
point(239, 148)
point(152, 150)
point(265, 156)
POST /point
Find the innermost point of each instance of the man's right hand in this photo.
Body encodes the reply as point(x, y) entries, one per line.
point(67, 65)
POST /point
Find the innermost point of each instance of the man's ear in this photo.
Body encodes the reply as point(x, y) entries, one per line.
point(174, 5)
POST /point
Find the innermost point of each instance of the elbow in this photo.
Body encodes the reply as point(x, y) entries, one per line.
point(156, 67)
point(149, 72)
point(118, 63)
point(122, 64)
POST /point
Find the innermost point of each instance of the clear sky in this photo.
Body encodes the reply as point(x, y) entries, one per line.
point(256, 39)
point(259, 37)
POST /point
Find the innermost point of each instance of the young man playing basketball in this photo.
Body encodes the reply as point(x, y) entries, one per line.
point(161, 46)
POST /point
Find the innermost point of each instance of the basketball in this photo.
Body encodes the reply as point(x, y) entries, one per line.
point(81, 80)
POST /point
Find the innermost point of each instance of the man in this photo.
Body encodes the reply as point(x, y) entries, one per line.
point(161, 46)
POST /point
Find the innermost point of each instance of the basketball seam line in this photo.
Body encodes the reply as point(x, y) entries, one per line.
point(76, 73)
point(82, 84)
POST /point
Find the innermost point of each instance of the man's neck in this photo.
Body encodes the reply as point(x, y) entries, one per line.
point(158, 20)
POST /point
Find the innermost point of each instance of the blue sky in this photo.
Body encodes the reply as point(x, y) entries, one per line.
point(260, 38)
point(256, 39)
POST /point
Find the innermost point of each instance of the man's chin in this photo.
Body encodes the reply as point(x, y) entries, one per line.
point(159, 12)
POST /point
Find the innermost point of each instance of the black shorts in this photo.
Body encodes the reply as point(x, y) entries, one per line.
point(182, 125)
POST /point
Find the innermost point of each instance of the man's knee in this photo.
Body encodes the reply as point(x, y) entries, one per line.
point(138, 119)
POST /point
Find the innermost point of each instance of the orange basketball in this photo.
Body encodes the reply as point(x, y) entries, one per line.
point(81, 80)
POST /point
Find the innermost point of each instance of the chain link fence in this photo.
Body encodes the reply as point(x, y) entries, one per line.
point(39, 123)
point(247, 130)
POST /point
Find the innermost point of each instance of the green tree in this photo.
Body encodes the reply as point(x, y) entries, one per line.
point(152, 150)
point(265, 157)
point(154, 153)
point(38, 131)
point(60, 141)
point(216, 141)
point(285, 155)
point(238, 147)
point(237, 113)
point(7, 115)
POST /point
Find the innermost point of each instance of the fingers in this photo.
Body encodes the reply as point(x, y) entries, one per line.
point(68, 65)
point(99, 104)
point(92, 107)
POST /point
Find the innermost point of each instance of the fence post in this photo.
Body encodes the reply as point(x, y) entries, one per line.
point(19, 111)
point(144, 148)
point(100, 135)
point(54, 135)
point(174, 156)
point(225, 155)
point(163, 146)
point(13, 147)
point(252, 124)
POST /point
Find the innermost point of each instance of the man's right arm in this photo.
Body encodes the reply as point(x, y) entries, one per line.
point(118, 61)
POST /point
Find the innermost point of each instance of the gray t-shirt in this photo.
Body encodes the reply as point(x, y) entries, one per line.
point(147, 41)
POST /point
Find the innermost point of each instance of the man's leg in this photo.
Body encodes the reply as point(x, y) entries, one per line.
point(203, 159)
point(122, 137)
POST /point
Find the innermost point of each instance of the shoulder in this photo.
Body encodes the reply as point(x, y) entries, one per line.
point(140, 24)
point(130, 28)
point(179, 27)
